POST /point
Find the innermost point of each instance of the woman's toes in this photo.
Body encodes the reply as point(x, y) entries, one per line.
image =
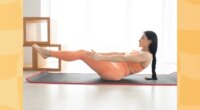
point(41, 51)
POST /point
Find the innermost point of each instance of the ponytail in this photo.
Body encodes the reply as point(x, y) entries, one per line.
point(153, 49)
point(153, 65)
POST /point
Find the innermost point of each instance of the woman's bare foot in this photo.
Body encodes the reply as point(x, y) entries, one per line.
point(43, 52)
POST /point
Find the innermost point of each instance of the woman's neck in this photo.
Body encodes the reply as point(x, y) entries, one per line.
point(145, 49)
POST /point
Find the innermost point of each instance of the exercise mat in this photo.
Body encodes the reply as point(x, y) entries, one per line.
point(94, 79)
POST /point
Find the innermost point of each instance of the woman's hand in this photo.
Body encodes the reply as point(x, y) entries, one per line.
point(94, 55)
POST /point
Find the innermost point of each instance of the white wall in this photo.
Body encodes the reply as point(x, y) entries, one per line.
point(92, 24)
point(114, 25)
point(27, 55)
point(31, 8)
point(34, 8)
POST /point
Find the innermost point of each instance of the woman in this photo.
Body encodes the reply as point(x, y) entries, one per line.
point(113, 66)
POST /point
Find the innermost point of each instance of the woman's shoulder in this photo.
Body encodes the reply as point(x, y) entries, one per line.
point(140, 56)
point(143, 54)
point(140, 52)
point(135, 51)
point(147, 55)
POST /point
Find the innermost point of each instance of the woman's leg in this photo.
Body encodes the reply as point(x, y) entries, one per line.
point(106, 70)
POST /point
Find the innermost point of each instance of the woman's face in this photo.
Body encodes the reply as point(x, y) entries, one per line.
point(144, 41)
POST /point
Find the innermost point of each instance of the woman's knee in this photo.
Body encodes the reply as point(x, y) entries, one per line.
point(82, 51)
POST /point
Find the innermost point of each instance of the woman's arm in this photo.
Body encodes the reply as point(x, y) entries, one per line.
point(124, 58)
point(112, 53)
point(141, 57)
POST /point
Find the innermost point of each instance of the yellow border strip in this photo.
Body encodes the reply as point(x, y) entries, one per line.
point(11, 56)
point(188, 54)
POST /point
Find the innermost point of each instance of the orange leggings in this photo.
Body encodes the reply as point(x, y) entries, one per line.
point(105, 69)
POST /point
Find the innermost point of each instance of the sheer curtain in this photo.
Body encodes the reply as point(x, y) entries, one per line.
point(113, 25)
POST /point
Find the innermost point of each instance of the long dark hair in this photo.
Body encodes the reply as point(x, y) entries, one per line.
point(153, 49)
